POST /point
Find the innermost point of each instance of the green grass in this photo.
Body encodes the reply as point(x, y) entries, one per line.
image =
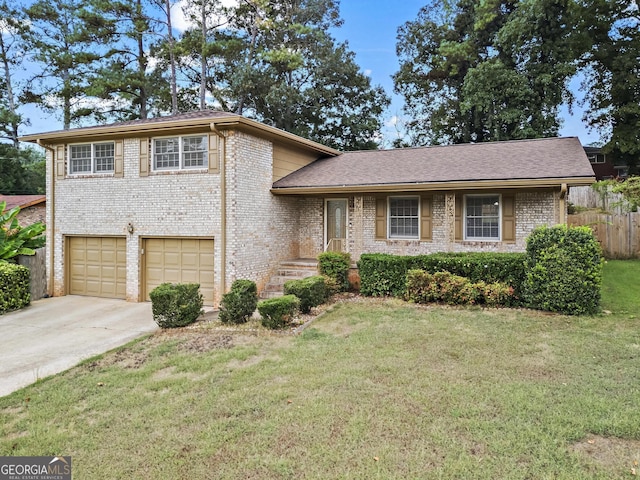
point(373, 389)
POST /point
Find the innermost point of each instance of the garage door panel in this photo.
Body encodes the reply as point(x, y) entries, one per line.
point(179, 261)
point(97, 266)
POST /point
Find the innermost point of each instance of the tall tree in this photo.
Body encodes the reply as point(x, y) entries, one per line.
point(12, 30)
point(612, 66)
point(127, 80)
point(278, 64)
point(481, 71)
point(67, 50)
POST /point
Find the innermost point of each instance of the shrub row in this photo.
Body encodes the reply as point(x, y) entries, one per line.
point(176, 304)
point(383, 274)
point(445, 287)
point(14, 287)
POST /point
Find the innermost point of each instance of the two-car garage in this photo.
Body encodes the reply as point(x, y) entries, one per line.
point(97, 266)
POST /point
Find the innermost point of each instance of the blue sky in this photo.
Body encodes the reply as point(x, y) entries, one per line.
point(370, 27)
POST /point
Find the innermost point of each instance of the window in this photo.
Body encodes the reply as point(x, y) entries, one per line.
point(596, 157)
point(91, 158)
point(482, 217)
point(177, 153)
point(404, 217)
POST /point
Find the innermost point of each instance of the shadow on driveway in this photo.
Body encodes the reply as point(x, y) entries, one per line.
point(54, 334)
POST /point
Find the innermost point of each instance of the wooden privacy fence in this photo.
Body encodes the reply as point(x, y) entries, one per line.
point(619, 234)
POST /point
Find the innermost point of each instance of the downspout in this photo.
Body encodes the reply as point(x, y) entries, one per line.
point(52, 222)
point(223, 209)
point(563, 205)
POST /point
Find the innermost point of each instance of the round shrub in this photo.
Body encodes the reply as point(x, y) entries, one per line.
point(564, 270)
point(239, 303)
point(278, 312)
point(336, 265)
point(311, 291)
point(176, 304)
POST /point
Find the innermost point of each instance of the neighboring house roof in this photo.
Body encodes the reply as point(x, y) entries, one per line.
point(518, 163)
point(22, 201)
point(190, 122)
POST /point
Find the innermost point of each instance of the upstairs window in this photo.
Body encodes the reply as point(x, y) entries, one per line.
point(482, 217)
point(178, 153)
point(596, 157)
point(404, 217)
point(89, 158)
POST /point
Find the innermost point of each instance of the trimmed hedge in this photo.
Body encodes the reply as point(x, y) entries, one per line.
point(239, 303)
point(14, 287)
point(564, 270)
point(278, 312)
point(384, 274)
point(310, 290)
point(336, 265)
point(176, 304)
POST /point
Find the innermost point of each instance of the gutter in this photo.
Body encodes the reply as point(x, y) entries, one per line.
point(52, 223)
point(223, 209)
point(433, 186)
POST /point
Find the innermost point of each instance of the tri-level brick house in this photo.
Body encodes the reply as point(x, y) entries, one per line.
point(211, 197)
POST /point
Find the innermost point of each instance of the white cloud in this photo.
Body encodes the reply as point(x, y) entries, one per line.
point(181, 22)
point(368, 72)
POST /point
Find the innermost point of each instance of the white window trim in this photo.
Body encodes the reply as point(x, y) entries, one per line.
point(464, 218)
point(399, 197)
point(593, 158)
point(93, 159)
point(181, 166)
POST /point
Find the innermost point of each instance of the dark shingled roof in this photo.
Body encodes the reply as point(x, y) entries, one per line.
point(546, 158)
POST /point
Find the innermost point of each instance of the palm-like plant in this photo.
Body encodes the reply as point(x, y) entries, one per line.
point(16, 240)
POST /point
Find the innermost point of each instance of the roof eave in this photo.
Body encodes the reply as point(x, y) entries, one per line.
point(433, 186)
point(228, 122)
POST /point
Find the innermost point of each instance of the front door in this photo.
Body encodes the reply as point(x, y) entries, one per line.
point(336, 225)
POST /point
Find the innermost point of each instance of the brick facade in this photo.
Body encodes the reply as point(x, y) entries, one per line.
point(533, 208)
point(261, 229)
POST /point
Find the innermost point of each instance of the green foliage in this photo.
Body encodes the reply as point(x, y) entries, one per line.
point(176, 304)
point(484, 71)
point(16, 240)
point(383, 274)
point(611, 41)
point(630, 190)
point(239, 303)
point(278, 312)
point(22, 171)
point(336, 265)
point(14, 287)
point(444, 287)
point(310, 290)
point(564, 270)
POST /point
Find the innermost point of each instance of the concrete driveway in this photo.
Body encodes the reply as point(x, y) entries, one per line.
point(54, 334)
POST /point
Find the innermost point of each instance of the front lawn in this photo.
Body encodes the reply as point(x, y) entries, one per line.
point(373, 389)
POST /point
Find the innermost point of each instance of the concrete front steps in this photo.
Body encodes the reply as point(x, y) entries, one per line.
point(289, 270)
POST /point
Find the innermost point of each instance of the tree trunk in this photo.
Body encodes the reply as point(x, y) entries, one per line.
point(172, 61)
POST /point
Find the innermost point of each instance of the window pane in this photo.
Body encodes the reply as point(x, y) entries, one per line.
point(194, 152)
point(482, 217)
point(403, 218)
point(80, 159)
point(104, 153)
point(166, 153)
